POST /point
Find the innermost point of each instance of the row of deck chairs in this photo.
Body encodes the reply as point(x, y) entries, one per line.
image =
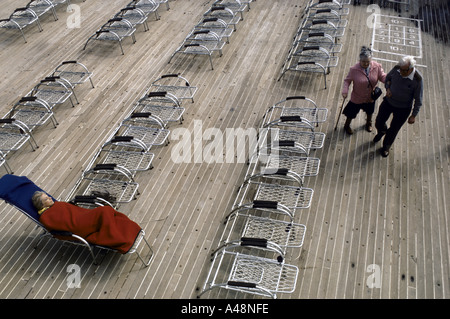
point(214, 29)
point(37, 107)
point(109, 178)
point(261, 229)
point(124, 23)
point(315, 43)
point(30, 14)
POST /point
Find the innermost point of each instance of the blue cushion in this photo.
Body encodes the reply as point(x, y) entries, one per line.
point(18, 190)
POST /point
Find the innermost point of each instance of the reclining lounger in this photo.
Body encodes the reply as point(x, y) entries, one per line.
point(18, 190)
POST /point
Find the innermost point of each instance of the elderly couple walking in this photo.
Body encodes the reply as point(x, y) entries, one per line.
point(403, 99)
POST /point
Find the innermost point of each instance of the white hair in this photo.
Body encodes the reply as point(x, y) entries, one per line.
point(407, 60)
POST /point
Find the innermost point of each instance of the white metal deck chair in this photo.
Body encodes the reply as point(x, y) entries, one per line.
point(163, 105)
point(20, 19)
point(328, 14)
point(284, 141)
point(175, 84)
point(320, 39)
point(216, 25)
point(166, 2)
point(250, 274)
point(262, 233)
point(203, 42)
point(54, 91)
point(134, 15)
point(41, 7)
point(324, 25)
point(18, 191)
point(58, 2)
point(272, 195)
point(328, 4)
point(283, 166)
point(305, 63)
point(295, 106)
point(116, 29)
point(32, 111)
point(126, 152)
point(13, 135)
point(111, 182)
point(237, 6)
point(146, 6)
point(225, 14)
point(147, 128)
point(74, 72)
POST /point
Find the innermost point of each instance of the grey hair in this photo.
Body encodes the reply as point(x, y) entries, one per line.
point(37, 200)
point(365, 53)
point(407, 60)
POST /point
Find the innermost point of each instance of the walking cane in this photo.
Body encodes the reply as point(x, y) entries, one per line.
point(340, 112)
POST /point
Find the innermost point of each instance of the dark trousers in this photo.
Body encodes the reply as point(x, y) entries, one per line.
point(399, 117)
point(352, 109)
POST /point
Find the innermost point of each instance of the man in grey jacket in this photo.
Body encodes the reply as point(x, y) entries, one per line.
point(404, 92)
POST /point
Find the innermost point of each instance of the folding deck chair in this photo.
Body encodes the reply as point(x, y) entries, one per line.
point(125, 152)
point(294, 106)
point(175, 84)
point(111, 182)
point(134, 15)
point(328, 14)
point(41, 7)
point(216, 25)
point(20, 19)
point(54, 91)
point(162, 105)
point(328, 4)
point(250, 274)
point(280, 166)
point(311, 38)
point(18, 190)
point(146, 6)
point(237, 6)
point(253, 231)
point(13, 135)
point(115, 29)
point(74, 72)
point(203, 42)
point(32, 111)
point(225, 14)
point(58, 2)
point(273, 196)
point(145, 127)
point(305, 62)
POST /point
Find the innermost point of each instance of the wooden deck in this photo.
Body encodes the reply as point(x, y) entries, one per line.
point(367, 210)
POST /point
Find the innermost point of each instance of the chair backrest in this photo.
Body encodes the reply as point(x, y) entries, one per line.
point(17, 191)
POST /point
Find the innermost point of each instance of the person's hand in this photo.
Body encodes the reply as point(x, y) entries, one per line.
point(411, 119)
point(344, 95)
point(388, 93)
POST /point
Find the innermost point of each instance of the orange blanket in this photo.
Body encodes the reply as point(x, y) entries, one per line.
point(102, 226)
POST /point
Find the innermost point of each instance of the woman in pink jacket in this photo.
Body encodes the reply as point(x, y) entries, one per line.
point(360, 99)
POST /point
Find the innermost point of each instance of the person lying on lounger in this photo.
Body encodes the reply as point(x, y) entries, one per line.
point(102, 225)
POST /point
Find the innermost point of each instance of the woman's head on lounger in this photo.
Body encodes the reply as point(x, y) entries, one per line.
point(41, 200)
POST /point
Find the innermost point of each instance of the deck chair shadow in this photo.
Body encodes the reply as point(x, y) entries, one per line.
point(18, 190)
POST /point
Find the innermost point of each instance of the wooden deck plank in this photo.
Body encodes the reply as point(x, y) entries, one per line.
point(390, 213)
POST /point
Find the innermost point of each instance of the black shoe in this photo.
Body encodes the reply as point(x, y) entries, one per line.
point(384, 152)
point(348, 129)
point(378, 137)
